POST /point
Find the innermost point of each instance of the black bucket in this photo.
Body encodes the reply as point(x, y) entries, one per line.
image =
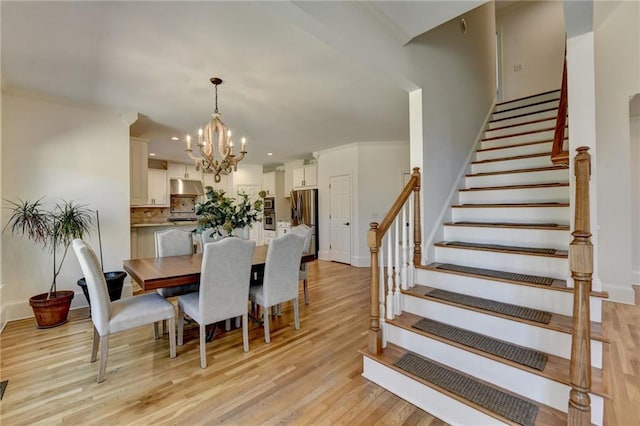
point(115, 281)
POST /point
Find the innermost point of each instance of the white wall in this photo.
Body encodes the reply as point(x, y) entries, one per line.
point(635, 187)
point(530, 34)
point(60, 151)
point(617, 59)
point(458, 90)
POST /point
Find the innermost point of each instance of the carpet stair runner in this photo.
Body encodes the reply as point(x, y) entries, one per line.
point(484, 336)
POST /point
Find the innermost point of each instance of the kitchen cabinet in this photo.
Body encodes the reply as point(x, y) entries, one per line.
point(305, 176)
point(138, 177)
point(269, 183)
point(158, 189)
point(183, 171)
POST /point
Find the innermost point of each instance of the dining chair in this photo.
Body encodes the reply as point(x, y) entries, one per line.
point(305, 232)
point(174, 242)
point(224, 290)
point(120, 315)
point(280, 281)
point(210, 235)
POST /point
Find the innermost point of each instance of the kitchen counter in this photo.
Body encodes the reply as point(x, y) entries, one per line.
point(179, 223)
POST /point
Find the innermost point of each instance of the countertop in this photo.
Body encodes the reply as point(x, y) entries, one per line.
point(164, 224)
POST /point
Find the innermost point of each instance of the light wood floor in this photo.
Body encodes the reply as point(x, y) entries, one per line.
point(311, 376)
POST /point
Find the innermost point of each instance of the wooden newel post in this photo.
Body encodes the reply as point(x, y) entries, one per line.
point(375, 334)
point(581, 264)
point(417, 220)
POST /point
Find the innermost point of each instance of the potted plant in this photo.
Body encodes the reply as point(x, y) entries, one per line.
point(226, 215)
point(54, 230)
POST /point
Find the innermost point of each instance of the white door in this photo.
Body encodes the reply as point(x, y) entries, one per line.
point(340, 210)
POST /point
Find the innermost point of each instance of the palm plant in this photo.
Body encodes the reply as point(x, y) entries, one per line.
point(52, 229)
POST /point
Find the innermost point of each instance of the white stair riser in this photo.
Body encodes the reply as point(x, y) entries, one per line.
point(542, 339)
point(523, 383)
point(558, 194)
point(526, 110)
point(513, 140)
point(518, 120)
point(509, 236)
point(512, 164)
point(517, 263)
point(528, 101)
point(521, 128)
point(535, 297)
point(559, 215)
point(537, 148)
point(524, 178)
point(430, 400)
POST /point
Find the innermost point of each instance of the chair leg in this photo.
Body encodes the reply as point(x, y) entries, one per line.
point(104, 351)
point(266, 318)
point(172, 337)
point(164, 327)
point(296, 314)
point(203, 346)
point(306, 292)
point(180, 326)
point(156, 332)
point(227, 324)
point(245, 332)
point(238, 322)
point(96, 342)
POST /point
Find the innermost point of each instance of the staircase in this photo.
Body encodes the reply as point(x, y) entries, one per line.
point(483, 334)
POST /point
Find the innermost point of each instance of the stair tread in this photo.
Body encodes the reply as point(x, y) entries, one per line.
point(499, 248)
point(517, 145)
point(488, 205)
point(556, 368)
point(504, 172)
point(539, 226)
point(524, 123)
point(526, 106)
point(557, 322)
point(392, 353)
point(527, 97)
point(557, 284)
point(514, 157)
point(511, 135)
point(496, 120)
point(523, 186)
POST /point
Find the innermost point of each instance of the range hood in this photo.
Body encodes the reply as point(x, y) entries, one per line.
point(186, 187)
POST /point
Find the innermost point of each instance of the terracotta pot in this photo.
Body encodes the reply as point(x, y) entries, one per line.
point(51, 312)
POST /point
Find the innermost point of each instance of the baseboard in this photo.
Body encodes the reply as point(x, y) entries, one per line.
point(620, 293)
point(361, 261)
point(324, 255)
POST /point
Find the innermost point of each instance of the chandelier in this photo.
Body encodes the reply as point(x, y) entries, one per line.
point(215, 129)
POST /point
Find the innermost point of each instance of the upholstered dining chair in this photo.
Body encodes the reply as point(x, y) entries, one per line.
point(210, 235)
point(224, 290)
point(280, 281)
point(120, 315)
point(174, 242)
point(305, 232)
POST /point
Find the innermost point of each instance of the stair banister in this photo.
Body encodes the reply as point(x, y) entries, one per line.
point(581, 264)
point(558, 154)
point(374, 242)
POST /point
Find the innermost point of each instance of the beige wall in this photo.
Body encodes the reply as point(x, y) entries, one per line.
point(56, 150)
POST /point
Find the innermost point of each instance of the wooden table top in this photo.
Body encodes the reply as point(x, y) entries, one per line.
point(158, 272)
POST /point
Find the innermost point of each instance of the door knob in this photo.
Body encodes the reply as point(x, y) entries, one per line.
point(346, 223)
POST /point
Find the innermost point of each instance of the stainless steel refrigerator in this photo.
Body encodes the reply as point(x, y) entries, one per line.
point(304, 210)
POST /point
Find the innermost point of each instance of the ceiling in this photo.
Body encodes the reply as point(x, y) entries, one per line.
point(290, 91)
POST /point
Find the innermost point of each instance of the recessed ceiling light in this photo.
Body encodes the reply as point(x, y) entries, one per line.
point(269, 153)
point(152, 154)
point(175, 138)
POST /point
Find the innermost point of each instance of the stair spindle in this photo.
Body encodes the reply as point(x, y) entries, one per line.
point(396, 292)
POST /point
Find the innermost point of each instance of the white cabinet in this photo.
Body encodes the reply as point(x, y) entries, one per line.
point(138, 157)
point(183, 171)
point(305, 176)
point(158, 190)
point(269, 183)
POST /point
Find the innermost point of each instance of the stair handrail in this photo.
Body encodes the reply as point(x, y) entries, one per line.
point(374, 240)
point(581, 265)
point(558, 154)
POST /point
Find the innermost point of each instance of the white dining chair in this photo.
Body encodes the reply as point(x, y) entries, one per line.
point(224, 290)
point(120, 315)
point(280, 281)
point(305, 232)
point(174, 242)
point(210, 235)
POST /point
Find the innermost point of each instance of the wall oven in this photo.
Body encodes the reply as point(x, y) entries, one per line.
point(269, 203)
point(269, 219)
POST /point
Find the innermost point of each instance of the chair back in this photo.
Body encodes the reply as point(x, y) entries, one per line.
point(210, 235)
point(224, 278)
point(173, 242)
point(280, 281)
point(96, 284)
point(305, 232)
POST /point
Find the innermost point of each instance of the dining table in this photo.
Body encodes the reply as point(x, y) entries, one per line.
point(160, 272)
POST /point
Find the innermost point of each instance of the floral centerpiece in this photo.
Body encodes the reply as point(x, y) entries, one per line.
point(227, 215)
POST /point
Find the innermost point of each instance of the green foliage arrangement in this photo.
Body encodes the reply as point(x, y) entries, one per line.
point(224, 214)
